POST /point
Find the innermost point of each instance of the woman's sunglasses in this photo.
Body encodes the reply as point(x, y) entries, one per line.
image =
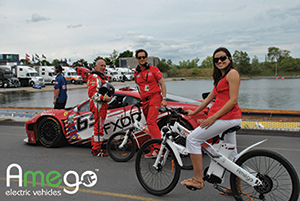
point(222, 58)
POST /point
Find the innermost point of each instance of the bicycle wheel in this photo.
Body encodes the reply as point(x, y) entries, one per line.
point(121, 154)
point(157, 181)
point(279, 178)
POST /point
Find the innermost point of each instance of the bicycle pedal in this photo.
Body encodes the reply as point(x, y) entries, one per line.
point(192, 188)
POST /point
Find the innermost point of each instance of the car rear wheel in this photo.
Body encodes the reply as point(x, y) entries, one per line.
point(50, 133)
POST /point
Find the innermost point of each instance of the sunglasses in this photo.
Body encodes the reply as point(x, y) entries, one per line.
point(222, 58)
point(143, 57)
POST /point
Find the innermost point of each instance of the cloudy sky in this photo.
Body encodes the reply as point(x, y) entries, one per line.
point(171, 29)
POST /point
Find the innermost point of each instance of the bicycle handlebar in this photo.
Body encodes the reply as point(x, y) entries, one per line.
point(175, 111)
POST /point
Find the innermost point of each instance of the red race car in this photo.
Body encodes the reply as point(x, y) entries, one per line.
point(54, 128)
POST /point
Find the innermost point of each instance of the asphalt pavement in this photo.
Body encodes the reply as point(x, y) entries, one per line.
point(115, 181)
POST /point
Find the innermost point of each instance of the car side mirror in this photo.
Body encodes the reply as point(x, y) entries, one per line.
point(76, 109)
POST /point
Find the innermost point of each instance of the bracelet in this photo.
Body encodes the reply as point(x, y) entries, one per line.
point(164, 98)
point(104, 97)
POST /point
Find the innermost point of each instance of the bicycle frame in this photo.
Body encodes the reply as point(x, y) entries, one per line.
point(218, 154)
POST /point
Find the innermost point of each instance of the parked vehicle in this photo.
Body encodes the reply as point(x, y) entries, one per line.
point(83, 72)
point(27, 76)
point(125, 74)
point(47, 72)
point(7, 78)
point(115, 76)
point(71, 75)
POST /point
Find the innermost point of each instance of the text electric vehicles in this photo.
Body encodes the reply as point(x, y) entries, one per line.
point(53, 128)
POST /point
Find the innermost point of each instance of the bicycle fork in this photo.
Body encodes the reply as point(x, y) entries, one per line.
point(176, 148)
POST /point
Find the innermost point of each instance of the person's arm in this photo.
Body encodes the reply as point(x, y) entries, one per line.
point(203, 105)
point(56, 93)
point(163, 88)
point(233, 79)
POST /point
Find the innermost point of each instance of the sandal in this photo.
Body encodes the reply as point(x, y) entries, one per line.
point(193, 184)
point(228, 191)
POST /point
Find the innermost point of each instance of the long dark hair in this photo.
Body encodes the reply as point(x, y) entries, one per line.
point(217, 74)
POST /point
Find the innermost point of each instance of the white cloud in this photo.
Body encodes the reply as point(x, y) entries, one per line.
point(177, 30)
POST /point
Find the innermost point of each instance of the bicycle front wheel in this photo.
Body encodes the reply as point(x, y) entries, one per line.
point(160, 180)
point(279, 178)
point(121, 154)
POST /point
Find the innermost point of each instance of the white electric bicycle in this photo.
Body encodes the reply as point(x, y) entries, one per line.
point(255, 175)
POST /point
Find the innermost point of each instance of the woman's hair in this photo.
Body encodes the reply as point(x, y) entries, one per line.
point(217, 75)
point(140, 50)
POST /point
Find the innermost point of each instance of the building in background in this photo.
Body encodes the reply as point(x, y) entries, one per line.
point(9, 59)
point(131, 62)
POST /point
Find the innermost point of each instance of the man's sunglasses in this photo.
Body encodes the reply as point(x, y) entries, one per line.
point(144, 57)
point(222, 58)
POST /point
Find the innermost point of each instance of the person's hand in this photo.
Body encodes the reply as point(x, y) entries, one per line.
point(54, 102)
point(190, 113)
point(163, 103)
point(108, 98)
point(208, 122)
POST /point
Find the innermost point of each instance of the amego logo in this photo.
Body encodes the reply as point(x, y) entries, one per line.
point(53, 179)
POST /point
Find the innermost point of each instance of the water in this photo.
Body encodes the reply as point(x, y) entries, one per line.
point(255, 93)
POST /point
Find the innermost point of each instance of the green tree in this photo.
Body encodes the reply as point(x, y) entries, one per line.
point(195, 71)
point(189, 64)
point(289, 64)
point(255, 66)
point(277, 55)
point(165, 65)
point(27, 63)
point(173, 71)
point(81, 62)
point(113, 57)
point(207, 62)
point(241, 61)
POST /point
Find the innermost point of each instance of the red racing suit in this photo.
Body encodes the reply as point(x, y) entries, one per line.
point(151, 97)
point(97, 107)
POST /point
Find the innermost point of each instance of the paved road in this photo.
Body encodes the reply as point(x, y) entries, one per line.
point(116, 181)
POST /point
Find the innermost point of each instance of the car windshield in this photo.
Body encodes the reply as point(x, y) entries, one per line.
point(73, 73)
point(174, 98)
point(33, 74)
point(8, 75)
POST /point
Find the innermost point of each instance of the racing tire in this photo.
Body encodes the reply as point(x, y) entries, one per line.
point(50, 133)
point(72, 81)
point(186, 160)
point(157, 181)
point(31, 83)
point(279, 178)
point(121, 154)
point(53, 82)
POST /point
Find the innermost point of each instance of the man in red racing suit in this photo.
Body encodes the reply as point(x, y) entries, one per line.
point(98, 106)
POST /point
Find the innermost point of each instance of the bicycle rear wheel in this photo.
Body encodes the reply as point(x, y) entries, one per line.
point(121, 154)
point(157, 181)
point(279, 178)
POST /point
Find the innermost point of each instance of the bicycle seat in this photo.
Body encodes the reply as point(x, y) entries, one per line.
point(230, 130)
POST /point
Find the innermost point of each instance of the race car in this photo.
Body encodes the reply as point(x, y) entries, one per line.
point(54, 128)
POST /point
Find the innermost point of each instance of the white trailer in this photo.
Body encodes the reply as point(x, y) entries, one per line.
point(46, 72)
point(27, 76)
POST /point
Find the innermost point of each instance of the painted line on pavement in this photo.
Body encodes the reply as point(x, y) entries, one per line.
point(132, 197)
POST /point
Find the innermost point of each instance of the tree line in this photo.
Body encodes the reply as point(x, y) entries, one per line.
point(277, 62)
